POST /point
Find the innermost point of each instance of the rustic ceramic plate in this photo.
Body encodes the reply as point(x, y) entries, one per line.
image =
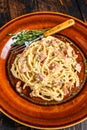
point(26, 112)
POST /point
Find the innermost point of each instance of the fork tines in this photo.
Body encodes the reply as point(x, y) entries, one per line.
point(17, 48)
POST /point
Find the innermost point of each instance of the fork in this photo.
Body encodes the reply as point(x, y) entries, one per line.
point(56, 29)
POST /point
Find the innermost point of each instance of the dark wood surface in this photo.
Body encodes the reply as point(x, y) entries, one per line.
point(10, 9)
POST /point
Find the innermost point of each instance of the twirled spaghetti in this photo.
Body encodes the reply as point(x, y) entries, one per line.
point(49, 67)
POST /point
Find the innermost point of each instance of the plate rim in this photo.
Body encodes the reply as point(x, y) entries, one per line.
point(27, 125)
point(46, 12)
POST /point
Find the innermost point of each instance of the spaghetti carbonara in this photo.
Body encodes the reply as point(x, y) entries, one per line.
point(49, 67)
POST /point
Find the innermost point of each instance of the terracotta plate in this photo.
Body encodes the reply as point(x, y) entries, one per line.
point(26, 112)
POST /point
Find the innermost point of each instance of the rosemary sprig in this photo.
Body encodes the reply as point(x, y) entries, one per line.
point(25, 36)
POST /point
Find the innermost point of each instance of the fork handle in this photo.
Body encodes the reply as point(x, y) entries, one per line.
point(59, 27)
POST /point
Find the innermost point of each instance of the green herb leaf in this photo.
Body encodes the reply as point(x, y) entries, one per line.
point(26, 36)
point(73, 93)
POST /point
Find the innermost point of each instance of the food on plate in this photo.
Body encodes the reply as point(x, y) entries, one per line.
point(49, 68)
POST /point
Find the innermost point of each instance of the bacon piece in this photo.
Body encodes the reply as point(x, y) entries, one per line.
point(42, 57)
point(39, 77)
point(18, 87)
point(53, 66)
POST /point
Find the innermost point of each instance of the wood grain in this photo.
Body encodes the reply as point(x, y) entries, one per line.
point(10, 9)
point(82, 5)
point(4, 12)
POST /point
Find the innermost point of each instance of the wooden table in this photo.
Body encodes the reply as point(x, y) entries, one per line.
point(10, 9)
